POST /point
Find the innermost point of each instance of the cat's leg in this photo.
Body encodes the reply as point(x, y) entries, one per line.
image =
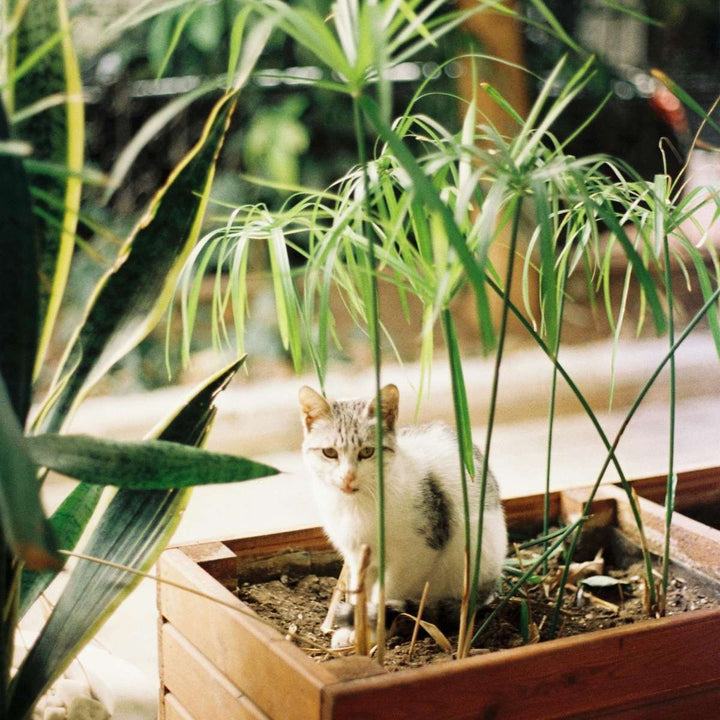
point(344, 634)
point(494, 549)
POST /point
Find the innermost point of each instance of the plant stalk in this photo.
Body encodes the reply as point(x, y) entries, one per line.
point(591, 415)
point(493, 406)
point(525, 575)
point(551, 411)
point(374, 328)
point(671, 480)
point(626, 421)
point(458, 389)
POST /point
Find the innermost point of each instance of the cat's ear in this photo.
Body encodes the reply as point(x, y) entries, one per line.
point(313, 405)
point(389, 401)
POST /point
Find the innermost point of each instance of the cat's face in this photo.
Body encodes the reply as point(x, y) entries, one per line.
point(339, 446)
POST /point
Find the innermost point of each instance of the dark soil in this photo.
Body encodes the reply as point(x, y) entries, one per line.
point(297, 605)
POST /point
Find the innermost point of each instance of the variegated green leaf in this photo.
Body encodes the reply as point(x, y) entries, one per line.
point(57, 135)
point(193, 420)
point(149, 465)
point(131, 298)
point(24, 525)
point(132, 532)
point(18, 281)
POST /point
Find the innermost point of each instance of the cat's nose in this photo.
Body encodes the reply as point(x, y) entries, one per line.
point(348, 483)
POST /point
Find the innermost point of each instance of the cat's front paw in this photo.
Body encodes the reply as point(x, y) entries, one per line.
point(343, 637)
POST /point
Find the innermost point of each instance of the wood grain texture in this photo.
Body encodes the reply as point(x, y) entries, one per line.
point(277, 676)
point(199, 686)
point(694, 487)
point(578, 676)
point(668, 668)
point(173, 709)
point(702, 701)
point(691, 543)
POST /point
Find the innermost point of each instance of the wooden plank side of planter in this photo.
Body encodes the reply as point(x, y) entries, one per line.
point(311, 538)
point(203, 691)
point(572, 676)
point(702, 701)
point(523, 511)
point(691, 543)
point(694, 487)
point(277, 676)
point(217, 559)
point(173, 709)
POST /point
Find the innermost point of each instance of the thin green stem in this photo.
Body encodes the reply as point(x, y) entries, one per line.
point(669, 490)
point(456, 380)
point(591, 416)
point(493, 405)
point(574, 527)
point(374, 328)
point(462, 423)
point(551, 411)
point(626, 421)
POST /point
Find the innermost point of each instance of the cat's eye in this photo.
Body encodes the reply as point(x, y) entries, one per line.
point(365, 453)
point(330, 452)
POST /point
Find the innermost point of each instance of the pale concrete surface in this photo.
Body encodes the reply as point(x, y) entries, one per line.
point(261, 421)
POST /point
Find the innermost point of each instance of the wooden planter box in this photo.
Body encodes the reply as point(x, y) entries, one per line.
point(217, 664)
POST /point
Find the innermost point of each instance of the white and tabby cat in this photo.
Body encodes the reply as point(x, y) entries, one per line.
point(423, 499)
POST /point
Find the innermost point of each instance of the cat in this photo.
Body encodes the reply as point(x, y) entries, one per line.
point(424, 526)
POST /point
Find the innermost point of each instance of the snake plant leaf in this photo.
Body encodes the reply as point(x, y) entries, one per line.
point(191, 423)
point(18, 280)
point(68, 523)
point(132, 532)
point(148, 465)
point(57, 136)
point(24, 524)
point(132, 296)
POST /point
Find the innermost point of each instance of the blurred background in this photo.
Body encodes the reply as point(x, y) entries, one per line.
point(287, 135)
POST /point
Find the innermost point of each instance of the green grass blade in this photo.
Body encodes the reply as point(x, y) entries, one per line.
point(310, 30)
point(180, 24)
point(608, 216)
point(236, 35)
point(148, 465)
point(460, 401)
point(621, 7)
point(554, 23)
point(548, 274)
point(706, 289)
point(685, 97)
point(18, 281)
point(462, 420)
point(286, 298)
point(503, 103)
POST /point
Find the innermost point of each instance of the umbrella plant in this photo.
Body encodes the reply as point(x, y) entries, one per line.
point(423, 210)
point(41, 178)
